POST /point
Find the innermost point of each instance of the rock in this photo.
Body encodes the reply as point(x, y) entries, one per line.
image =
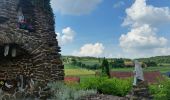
point(140, 92)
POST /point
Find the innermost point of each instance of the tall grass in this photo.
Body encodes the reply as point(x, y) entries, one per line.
point(64, 92)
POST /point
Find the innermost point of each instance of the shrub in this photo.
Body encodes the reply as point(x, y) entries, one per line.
point(114, 86)
point(105, 68)
point(151, 63)
point(90, 83)
point(64, 92)
point(118, 63)
point(161, 91)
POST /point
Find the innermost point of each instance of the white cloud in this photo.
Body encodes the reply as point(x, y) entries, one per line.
point(67, 36)
point(140, 13)
point(141, 38)
point(95, 50)
point(163, 51)
point(75, 7)
point(144, 21)
point(119, 4)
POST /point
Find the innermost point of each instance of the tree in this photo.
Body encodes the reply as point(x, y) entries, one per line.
point(73, 61)
point(105, 68)
point(151, 63)
point(118, 63)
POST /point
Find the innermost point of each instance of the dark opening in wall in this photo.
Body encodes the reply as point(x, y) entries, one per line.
point(26, 15)
point(14, 52)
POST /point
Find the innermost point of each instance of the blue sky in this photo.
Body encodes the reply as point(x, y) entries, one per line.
point(113, 28)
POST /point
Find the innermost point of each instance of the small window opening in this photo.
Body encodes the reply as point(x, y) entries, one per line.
point(24, 23)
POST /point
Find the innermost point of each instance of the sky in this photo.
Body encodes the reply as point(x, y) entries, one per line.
point(113, 28)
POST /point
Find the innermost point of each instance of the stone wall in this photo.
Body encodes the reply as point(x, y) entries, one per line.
point(38, 51)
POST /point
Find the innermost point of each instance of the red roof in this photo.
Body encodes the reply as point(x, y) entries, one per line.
point(72, 79)
point(151, 76)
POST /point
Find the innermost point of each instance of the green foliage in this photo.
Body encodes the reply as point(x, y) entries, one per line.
point(78, 63)
point(105, 68)
point(161, 91)
point(118, 63)
point(114, 86)
point(157, 59)
point(150, 63)
point(73, 62)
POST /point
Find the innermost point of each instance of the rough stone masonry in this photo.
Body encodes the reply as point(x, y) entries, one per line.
point(30, 46)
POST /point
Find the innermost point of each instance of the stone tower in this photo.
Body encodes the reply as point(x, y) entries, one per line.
point(28, 42)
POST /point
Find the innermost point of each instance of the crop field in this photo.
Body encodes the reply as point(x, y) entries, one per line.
point(90, 61)
point(78, 72)
point(69, 66)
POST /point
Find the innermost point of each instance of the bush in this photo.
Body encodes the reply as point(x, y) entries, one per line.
point(90, 83)
point(161, 91)
point(118, 63)
point(105, 68)
point(151, 63)
point(64, 92)
point(114, 86)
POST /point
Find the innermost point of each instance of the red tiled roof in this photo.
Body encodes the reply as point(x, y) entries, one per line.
point(72, 79)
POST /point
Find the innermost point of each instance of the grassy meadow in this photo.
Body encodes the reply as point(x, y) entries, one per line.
point(78, 72)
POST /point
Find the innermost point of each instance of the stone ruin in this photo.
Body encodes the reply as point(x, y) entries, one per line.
point(28, 44)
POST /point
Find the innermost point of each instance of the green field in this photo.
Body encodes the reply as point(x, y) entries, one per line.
point(83, 72)
point(69, 66)
point(90, 61)
point(78, 72)
point(69, 69)
point(75, 71)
